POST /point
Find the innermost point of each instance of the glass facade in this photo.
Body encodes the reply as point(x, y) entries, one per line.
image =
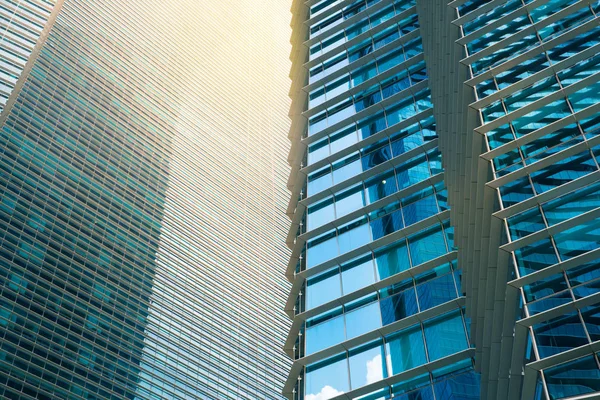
point(21, 23)
point(142, 205)
point(520, 146)
point(377, 300)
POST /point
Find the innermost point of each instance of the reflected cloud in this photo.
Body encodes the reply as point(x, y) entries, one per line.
point(374, 369)
point(326, 393)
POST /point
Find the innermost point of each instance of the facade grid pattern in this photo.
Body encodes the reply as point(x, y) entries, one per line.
point(377, 301)
point(142, 204)
point(520, 150)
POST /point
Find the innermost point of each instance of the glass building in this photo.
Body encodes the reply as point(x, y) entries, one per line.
point(520, 145)
point(377, 300)
point(393, 258)
point(22, 27)
point(142, 204)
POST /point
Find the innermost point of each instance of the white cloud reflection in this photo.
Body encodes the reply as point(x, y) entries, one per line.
point(326, 393)
point(374, 370)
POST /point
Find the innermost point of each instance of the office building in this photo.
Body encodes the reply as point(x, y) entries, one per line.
point(142, 215)
point(22, 25)
point(520, 146)
point(514, 113)
point(377, 299)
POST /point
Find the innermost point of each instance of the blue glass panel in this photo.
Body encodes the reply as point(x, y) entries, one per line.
point(550, 302)
point(509, 52)
point(491, 16)
point(572, 204)
point(347, 168)
point(343, 138)
point(425, 393)
point(493, 111)
point(367, 98)
point(318, 151)
point(320, 214)
point(535, 257)
point(574, 378)
point(436, 292)
point(367, 364)
point(591, 319)
point(499, 136)
point(541, 117)
point(398, 306)
point(321, 249)
point(521, 71)
point(545, 287)
point(319, 181)
point(531, 93)
point(389, 61)
point(392, 260)
point(526, 223)
point(324, 331)
point(354, 235)
point(406, 141)
point(349, 201)
point(381, 186)
point(371, 125)
point(387, 224)
point(559, 334)
point(376, 154)
point(578, 240)
point(323, 288)
point(459, 387)
point(427, 245)
point(363, 319)
point(413, 388)
point(357, 274)
point(574, 46)
point(516, 192)
point(405, 350)
point(579, 71)
point(565, 24)
point(327, 379)
point(584, 273)
point(413, 172)
point(445, 335)
point(551, 143)
point(403, 110)
point(419, 210)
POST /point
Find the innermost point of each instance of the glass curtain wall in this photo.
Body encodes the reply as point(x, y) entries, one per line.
point(378, 305)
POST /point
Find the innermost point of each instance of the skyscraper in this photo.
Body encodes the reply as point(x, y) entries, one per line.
point(514, 112)
point(520, 144)
point(142, 215)
point(22, 27)
point(377, 300)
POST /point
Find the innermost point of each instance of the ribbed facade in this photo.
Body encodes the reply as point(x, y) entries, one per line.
point(377, 294)
point(21, 26)
point(143, 197)
point(520, 148)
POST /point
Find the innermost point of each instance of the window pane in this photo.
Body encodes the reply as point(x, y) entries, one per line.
point(559, 334)
point(357, 274)
point(327, 379)
point(324, 334)
point(363, 320)
point(405, 350)
point(445, 336)
point(322, 289)
point(427, 245)
point(366, 365)
point(392, 260)
point(573, 378)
